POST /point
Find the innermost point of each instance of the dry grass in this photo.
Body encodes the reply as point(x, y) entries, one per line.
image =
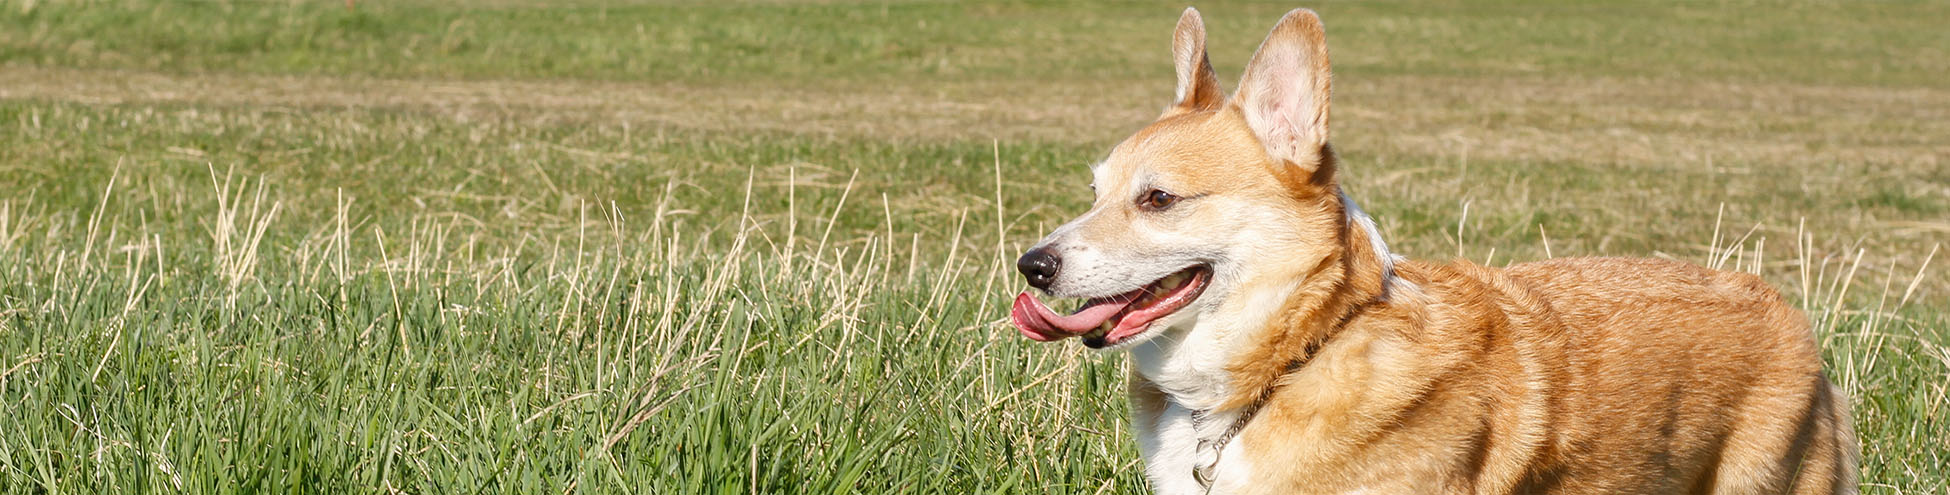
point(1739, 140)
point(438, 248)
point(1568, 119)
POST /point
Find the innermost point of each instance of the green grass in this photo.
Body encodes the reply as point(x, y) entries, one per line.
point(1886, 42)
point(501, 336)
point(379, 292)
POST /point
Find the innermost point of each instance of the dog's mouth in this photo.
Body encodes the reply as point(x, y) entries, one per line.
point(1109, 321)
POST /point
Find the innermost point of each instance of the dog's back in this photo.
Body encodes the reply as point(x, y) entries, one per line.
point(1707, 380)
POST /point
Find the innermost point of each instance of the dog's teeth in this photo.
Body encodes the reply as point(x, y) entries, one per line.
point(1100, 332)
point(1173, 281)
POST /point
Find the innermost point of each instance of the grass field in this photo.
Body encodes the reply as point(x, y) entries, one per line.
point(739, 247)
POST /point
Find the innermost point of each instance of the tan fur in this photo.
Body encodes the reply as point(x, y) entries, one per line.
point(1580, 375)
point(1584, 375)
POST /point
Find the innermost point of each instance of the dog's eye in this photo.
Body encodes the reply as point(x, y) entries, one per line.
point(1157, 200)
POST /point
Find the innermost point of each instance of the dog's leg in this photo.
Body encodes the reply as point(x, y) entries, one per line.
point(1829, 465)
point(1166, 437)
point(1796, 441)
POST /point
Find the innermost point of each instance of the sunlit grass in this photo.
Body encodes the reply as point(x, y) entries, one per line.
point(265, 270)
point(735, 323)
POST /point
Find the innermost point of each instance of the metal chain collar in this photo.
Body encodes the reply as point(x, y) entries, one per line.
point(1203, 472)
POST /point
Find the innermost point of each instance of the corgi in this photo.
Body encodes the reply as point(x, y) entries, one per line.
point(1277, 346)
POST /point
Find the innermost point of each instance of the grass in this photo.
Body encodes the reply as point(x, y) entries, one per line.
point(1883, 43)
point(745, 247)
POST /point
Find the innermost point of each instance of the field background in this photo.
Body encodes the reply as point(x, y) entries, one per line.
point(735, 247)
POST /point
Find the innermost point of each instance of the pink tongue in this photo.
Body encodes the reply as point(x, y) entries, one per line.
point(1039, 323)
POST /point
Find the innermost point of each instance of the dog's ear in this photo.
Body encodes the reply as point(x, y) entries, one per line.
point(1283, 94)
point(1198, 85)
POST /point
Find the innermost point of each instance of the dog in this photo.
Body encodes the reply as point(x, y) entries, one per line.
point(1277, 346)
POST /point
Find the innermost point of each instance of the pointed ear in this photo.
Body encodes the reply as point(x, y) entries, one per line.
point(1283, 95)
point(1198, 85)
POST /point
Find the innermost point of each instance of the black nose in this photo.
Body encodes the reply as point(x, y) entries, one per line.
point(1039, 266)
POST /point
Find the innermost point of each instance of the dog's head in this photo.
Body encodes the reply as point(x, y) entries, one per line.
point(1213, 212)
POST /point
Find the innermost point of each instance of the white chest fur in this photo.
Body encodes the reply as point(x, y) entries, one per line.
point(1177, 445)
point(1189, 364)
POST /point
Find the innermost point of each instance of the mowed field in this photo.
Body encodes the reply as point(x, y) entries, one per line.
point(737, 247)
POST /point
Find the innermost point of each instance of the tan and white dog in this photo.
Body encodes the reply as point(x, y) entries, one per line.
point(1278, 347)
